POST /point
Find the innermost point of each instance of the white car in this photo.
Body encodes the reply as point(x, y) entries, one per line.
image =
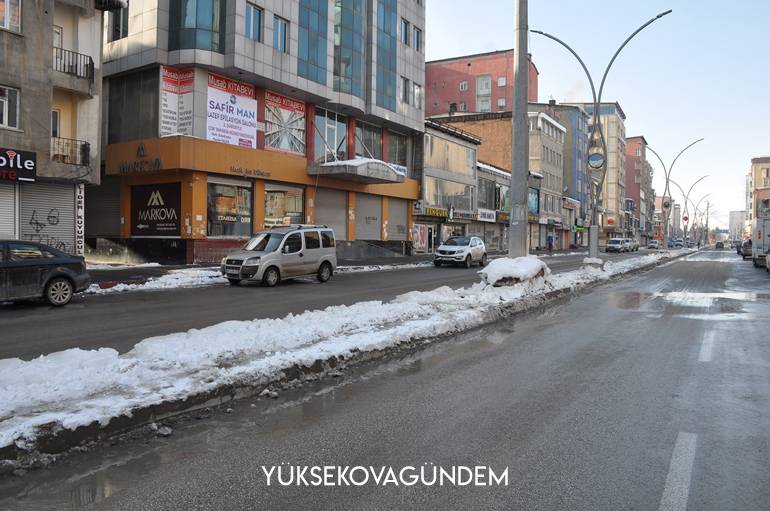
point(464, 250)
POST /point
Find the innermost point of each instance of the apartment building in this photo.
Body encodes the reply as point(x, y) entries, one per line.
point(639, 191)
point(226, 117)
point(50, 99)
point(546, 157)
point(482, 82)
point(757, 186)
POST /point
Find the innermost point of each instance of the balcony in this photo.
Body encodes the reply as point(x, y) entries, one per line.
point(70, 151)
point(109, 5)
point(73, 71)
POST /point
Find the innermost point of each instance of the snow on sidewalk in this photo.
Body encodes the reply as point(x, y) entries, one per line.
point(77, 387)
point(186, 277)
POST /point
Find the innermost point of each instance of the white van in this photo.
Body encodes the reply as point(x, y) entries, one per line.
point(282, 253)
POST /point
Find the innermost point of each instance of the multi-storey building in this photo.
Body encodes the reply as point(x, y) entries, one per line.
point(638, 185)
point(494, 207)
point(737, 225)
point(223, 118)
point(474, 83)
point(614, 187)
point(50, 99)
point(757, 186)
point(576, 190)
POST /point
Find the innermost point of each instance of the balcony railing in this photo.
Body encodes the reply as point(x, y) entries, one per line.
point(73, 152)
point(73, 63)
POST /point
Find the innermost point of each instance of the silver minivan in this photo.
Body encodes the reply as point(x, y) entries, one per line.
point(282, 253)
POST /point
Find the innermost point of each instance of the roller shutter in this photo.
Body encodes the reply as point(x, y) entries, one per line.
point(48, 214)
point(368, 217)
point(103, 209)
point(331, 208)
point(8, 210)
point(397, 210)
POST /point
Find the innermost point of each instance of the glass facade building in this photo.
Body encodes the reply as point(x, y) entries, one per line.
point(387, 60)
point(311, 56)
point(350, 46)
point(197, 24)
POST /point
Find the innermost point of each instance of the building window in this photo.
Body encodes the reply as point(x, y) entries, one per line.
point(484, 85)
point(118, 23)
point(197, 24)
point(311, 54)
point(10, 15)
point(387, 57)
point(406, 90)
point(254, 17)
point(418, 96)
point(330, 136)
point(444, 194)
point(350, 48)
point(228, 210)
point(501, 81)
point(486, 194)
point(280, 34)
point(483, 105)
point(58, 36)
point(397, 148)
point(55, 117)
point(417, 39)
point(368, 141)
point(284, 205)
point(464, 85)
point(501, 104)
point(463, 107)
point(405, 31)
point(9, 107)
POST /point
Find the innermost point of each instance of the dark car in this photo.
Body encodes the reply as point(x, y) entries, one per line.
point(33, 270)
point(746, 249)
point(719, 245)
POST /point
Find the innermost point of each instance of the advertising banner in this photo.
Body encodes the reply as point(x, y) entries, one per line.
point(176, 101)
point(486, 215)
point(155, 209)
point(284, 123)
point(231, 113)
point(17, 165)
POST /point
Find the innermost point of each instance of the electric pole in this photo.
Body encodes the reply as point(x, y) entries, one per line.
point(518, 238)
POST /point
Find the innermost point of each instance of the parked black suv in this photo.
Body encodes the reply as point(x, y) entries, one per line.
point(34, 270)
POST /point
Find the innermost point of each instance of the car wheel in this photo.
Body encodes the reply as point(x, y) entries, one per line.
point(59, 291)
point(437, 263)
point(234, 282)
point(272, 277)
point(324, 272)
point(468, 261)
point(483, 260)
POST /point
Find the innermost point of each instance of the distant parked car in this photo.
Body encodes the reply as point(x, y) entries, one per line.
point(678, 243)
point(746, 249)
point(33, 270)
point(464, 250)
point(282, 253)
point(634, 244)
point(615, 245)
point(719, 245)
point(654, 244)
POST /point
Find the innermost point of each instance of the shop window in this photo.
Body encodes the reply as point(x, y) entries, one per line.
point(293, 243)
point(229, 210)
point(284, 205)
point(312, 240)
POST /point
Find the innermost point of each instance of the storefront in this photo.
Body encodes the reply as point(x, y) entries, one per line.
point(434, 225)
point(487, 228)
point(195, 199)
point(49, 212)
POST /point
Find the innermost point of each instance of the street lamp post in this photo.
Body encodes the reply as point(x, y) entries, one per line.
point(686, 199)
point(667, 191)
point(597, 149)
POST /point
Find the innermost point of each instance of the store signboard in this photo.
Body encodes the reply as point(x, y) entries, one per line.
point(16, 165)
point(176, 101)
point(486, 215)
point(155, 210)
point(284, 123)
point(80, 219)
point(231, 112)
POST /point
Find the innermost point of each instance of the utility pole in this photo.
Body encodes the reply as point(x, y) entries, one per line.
point(518, 238)
point(708, 205)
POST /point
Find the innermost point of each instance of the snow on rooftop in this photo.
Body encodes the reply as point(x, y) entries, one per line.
point(360, 160)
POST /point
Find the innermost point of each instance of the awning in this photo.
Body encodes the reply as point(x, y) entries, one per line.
point(366, 170)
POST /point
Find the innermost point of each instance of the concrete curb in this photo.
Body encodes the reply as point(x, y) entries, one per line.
point(54, 440)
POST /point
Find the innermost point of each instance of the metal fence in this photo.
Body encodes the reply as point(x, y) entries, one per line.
point(67, 150)
point(73, 63)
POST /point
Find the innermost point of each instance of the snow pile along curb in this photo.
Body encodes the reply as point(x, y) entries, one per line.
point(187, 277)
point(81, 388)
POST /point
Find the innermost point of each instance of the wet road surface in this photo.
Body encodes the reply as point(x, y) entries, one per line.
point(648, 393)
point(121, 320)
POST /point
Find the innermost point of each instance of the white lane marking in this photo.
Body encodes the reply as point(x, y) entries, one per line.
point(707, 347)
point(677, 487)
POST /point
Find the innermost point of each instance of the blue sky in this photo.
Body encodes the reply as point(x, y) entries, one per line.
point(701, 71)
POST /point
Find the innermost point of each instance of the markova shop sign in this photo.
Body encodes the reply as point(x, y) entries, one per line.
point(17, 165)
point(155, 210)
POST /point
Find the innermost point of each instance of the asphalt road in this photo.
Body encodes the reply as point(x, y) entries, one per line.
point(648, 393)
point(119, 321)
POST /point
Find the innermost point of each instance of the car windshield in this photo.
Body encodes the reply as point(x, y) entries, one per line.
point(615, 242)
point(264, 242)
point(458, 241)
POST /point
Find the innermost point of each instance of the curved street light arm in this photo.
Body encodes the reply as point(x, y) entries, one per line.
point(683, 150)
point(574, 53)
point(601, 86)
